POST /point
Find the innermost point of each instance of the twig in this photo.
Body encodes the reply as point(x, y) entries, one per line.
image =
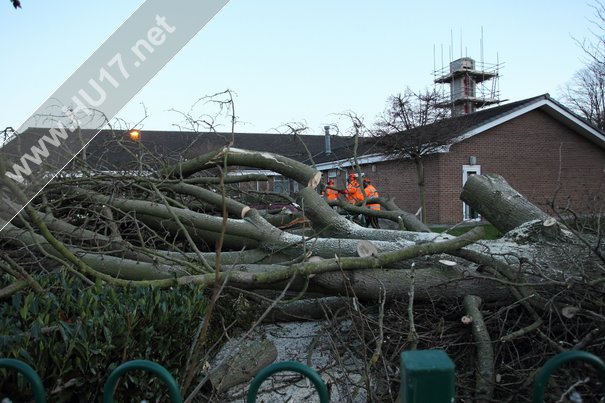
point(412, 334)
point(484, 378)
point(586, 339)
point(571, 389)
point(522, 331)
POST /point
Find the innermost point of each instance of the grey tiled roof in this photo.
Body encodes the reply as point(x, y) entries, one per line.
point(114, 149)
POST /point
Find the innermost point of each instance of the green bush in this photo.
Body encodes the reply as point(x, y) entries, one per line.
point(74, 336)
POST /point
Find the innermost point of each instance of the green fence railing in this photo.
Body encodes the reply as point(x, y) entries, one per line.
point(427, 376)
point(29, 373)
point(149, 366)
point(293, 366)
point(555, 362)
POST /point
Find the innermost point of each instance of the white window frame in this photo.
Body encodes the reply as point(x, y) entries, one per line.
point(466, 169)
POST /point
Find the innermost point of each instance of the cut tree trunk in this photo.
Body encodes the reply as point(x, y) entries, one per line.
point(499, 203)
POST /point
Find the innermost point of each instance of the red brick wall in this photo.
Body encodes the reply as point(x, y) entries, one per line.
point(534, 153)
point(399, 180)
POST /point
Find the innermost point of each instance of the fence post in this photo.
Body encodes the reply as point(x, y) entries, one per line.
point(427, 376)
point(149, 366)
point(555, 362)
point(320, 386)
point(29, 373)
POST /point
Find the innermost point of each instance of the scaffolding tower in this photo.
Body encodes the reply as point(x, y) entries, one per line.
point(472, 85)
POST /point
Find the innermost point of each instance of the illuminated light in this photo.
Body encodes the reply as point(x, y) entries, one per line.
point(135, 135)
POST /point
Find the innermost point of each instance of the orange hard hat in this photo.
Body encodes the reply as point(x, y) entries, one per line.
point(330, 181)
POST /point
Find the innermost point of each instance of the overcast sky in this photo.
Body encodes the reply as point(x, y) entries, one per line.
point(297, 60)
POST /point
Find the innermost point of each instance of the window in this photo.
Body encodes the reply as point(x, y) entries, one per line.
point(281, 185)
point(469, 214)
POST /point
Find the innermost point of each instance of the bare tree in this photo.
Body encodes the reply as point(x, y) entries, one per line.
point(585, 92)
point(399, 130)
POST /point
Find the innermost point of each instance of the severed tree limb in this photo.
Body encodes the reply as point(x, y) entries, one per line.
point(484, 386)
point(276, 273)
point(232, 178)
point(326, 219)
point(101, 242)
point(188, 217)
point(499, 203)
point(189, 167)
point(13, 288)
point(526, 292)
point(412, 334)
point(302, 173)
point(233, 207)
point(199, 232)
point(394, 216)
point(111, 266)
point(288, 167)
point(411, 222)
point(19, 272)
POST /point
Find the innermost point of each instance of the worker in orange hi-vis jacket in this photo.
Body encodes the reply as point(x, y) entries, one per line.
point(330, 193)
point(353, 193)
point(370, 191)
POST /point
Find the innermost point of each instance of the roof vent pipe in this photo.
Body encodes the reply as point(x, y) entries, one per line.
point(328, 143)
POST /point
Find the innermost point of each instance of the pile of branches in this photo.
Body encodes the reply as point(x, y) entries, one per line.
point(499, 308)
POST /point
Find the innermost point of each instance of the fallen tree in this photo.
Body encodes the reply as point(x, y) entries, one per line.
point(162, 231)
point(176, 227)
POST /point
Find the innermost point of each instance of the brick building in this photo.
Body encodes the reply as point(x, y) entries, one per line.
point(542, 149)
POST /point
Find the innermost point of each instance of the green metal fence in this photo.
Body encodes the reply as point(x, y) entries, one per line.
point(29, 373)
point(149, 366)
point(320, 386)
point(555, 362)
point(427, 376)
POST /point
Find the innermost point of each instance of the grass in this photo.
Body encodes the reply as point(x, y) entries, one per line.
point(490, 231)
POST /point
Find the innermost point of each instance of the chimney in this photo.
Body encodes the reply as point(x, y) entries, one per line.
point(328, 143)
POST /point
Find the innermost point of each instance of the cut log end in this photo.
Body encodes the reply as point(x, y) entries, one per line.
point(315, 180)
point(366, 248)
point(245, 210)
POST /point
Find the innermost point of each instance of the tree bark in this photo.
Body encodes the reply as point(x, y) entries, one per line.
point(498, 203)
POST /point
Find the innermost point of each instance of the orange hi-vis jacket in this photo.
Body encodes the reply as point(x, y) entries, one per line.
point(331, 194)
point(353, 193)
point(371, 191)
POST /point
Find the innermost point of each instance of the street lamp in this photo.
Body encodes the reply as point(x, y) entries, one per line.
point(134, 134)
